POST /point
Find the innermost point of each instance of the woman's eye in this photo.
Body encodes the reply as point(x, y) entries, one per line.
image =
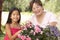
point(33, 8)
point(37, 6)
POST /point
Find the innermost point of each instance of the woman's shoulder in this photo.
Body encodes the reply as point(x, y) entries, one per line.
point(51, 16)
point(49, 13)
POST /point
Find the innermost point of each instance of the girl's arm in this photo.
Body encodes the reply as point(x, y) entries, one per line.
point(11, 37)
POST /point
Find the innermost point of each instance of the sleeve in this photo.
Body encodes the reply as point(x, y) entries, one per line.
point(52, 18)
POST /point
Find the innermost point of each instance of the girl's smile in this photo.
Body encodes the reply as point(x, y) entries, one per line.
point(15, 16)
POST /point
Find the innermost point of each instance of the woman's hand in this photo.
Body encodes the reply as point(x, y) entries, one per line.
point(53, 23)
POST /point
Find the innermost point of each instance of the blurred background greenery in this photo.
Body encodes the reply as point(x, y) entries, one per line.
point(50, 5)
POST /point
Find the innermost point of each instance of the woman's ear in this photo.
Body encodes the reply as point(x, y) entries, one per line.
point(42, 8)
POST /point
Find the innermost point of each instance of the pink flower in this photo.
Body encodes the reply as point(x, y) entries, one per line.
point(37, 29)
point(28, 38)
point(25, 28)
point(23, 37)
point(28, 24)
point(34, 33)
point(22, 27)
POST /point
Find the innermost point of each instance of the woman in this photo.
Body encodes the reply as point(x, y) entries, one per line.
point(41, 17)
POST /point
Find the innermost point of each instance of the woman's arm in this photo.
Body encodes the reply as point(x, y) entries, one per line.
point(52, 19)
point(11, 37)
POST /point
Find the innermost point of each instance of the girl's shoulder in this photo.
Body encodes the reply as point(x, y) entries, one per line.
point(7, 25)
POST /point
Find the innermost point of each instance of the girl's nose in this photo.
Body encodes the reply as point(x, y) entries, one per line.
point(15, 15)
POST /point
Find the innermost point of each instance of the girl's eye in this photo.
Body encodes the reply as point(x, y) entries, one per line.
point(13, 14)
point(17, 14)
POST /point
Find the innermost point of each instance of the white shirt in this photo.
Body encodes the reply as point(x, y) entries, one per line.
point(49, 17)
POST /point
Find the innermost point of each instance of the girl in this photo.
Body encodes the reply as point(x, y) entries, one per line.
point(13, 28)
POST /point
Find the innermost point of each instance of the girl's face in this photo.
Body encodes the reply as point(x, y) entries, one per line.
point(37, 9)
point(15, 16)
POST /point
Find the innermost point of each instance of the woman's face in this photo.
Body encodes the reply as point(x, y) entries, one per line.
point(15, 16)
point(37, 9)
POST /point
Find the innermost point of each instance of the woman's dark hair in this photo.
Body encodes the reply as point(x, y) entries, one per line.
point(35, 1)
point(10, 12)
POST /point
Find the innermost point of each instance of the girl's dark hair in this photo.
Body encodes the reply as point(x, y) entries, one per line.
point(10, 12)
point(35, 1)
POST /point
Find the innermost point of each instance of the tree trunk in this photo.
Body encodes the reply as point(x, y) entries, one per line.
point(1, 1)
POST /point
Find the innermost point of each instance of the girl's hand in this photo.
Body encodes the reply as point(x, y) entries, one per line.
point(19, 31)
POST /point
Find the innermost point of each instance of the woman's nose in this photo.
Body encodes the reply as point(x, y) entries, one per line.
point(35, 9)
